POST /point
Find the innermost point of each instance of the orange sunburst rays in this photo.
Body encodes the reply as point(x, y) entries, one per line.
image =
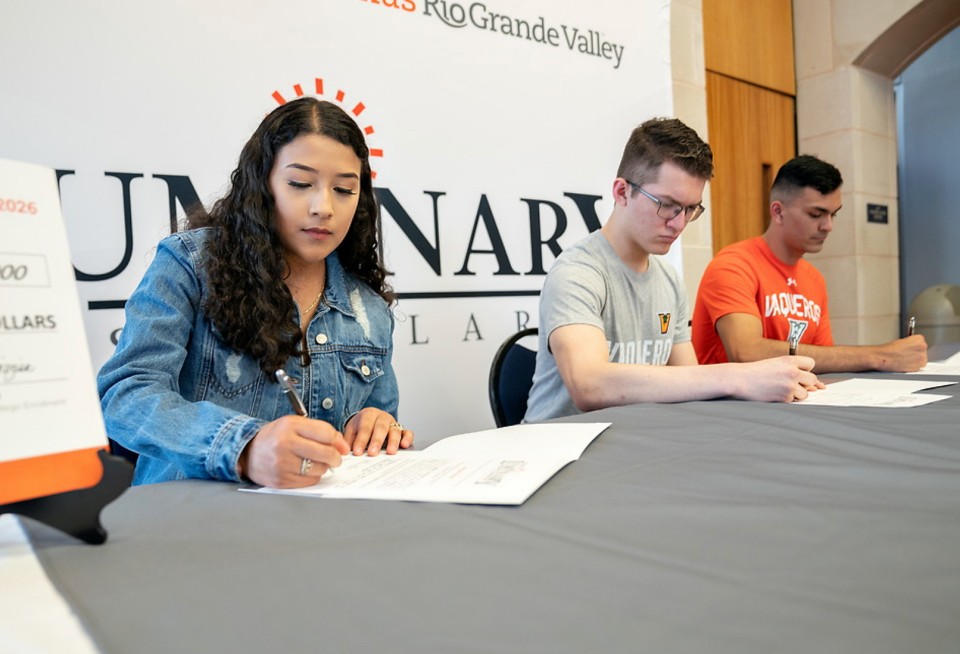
point(339, 97)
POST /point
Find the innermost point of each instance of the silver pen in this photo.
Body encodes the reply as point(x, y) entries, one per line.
point(792, 344)
point(286, 385)
point(911, 325)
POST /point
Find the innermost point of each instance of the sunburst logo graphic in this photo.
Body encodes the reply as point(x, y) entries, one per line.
point(340, 97)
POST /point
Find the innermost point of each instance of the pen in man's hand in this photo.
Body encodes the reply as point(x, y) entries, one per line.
point(792, 341)
point(286, 384)
point(911, 325)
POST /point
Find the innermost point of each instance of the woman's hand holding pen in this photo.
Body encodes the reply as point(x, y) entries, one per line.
point(370, 430)
point(275, 456)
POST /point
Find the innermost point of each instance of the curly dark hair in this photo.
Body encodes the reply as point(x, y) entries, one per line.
point(249, 303)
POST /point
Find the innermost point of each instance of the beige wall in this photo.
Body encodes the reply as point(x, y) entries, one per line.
point(690, 106)
point(846, 115)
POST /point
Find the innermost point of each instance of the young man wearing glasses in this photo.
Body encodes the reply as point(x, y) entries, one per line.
point(614, 320)
point(759, 297)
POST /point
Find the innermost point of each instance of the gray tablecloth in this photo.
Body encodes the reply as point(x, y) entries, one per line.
point(702, 527)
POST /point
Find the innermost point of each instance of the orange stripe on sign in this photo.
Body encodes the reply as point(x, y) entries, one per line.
point(278, 97)
point(376, 152)
point(373, 174)
point(358, 109)
point(319, 85)
point(368, 130)
point(25, 479)
point(340, 95)
point(298, 89)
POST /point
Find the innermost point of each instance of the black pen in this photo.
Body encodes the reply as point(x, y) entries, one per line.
point(792, 341)
point(911, 325)
point(286, 385)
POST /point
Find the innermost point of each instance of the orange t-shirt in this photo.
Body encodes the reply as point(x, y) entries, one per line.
point(747, 277)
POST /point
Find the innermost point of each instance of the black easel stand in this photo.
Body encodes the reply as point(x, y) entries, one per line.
point(78, 512)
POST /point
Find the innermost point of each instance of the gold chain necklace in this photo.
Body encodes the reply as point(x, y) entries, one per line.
point(309, 311)
point(304, 357)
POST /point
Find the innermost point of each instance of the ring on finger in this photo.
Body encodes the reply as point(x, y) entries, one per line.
point(305, 466)
point(396, 425)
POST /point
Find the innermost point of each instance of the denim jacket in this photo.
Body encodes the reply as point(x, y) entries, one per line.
point(189, 404)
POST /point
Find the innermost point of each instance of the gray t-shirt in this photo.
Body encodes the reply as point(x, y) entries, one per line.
point(641, 314)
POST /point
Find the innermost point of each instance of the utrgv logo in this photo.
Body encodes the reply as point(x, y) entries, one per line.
point(339, 97)
point(664, 322)
point(797, 329)
point(405, 5)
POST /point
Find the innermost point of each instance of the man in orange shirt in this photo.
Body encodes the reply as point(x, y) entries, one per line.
point(759, 294)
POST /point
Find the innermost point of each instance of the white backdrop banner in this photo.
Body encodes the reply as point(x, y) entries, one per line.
point(496, 129)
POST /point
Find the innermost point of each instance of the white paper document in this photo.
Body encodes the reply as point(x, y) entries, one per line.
point(889, 393)
point(949, 367)
point(497, 466)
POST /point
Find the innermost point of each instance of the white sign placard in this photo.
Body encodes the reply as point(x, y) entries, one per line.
point(48, 401)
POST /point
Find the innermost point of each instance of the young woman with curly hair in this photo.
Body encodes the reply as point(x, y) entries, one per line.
point(284, 272)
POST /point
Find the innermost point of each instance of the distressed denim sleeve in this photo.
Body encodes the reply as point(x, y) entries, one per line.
point(139, 385)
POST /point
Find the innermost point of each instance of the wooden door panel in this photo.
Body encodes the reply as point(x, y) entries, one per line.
point(752, 133)
point(751, 40)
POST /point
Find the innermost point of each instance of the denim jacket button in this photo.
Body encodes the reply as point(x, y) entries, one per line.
point(327, 403)
point(365, 369)
point(321, 339)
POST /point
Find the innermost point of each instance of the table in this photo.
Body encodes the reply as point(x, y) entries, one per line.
point(718, 526)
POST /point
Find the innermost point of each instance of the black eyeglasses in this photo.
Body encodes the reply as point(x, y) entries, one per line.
point(670, 210)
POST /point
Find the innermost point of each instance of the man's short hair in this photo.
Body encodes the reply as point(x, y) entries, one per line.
point(658, 141)
point(806, 171)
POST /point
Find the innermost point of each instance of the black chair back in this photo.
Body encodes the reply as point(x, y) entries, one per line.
point(511, 376)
